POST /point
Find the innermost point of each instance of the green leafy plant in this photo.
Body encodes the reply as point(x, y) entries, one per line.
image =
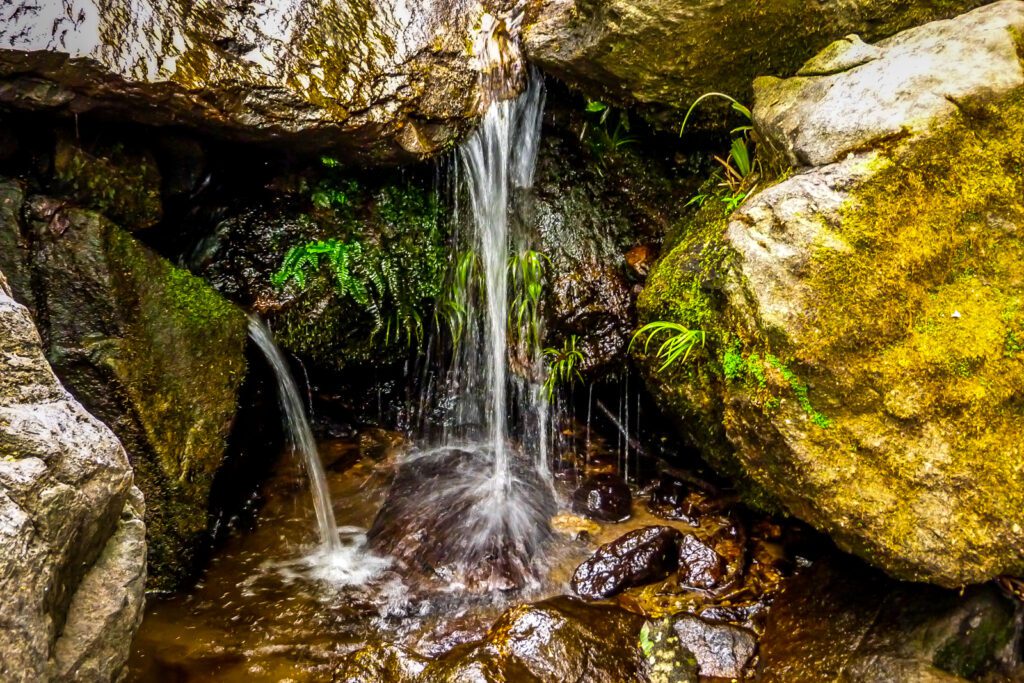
point(454, 303)
point(600, 136)
point(388, 257)
point(563, 366)
point(738, 172)
point(679, 343)
point(343, 257)
point(526, 279)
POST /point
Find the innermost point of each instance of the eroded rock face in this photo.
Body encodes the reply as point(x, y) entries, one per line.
point(150, 349)
point(864, 336)
point(72, 542)
point(663, 55)
point(386, 80)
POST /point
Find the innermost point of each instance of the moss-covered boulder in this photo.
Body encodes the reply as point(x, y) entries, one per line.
point(863, 361)
point(152, 351)
point(663, 54)
point(384, 80)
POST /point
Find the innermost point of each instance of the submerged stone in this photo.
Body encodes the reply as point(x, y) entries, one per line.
point(604, 497)
point(700, 565)
point(641, 556)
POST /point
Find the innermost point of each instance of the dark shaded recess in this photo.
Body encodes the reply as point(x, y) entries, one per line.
point(256, 442)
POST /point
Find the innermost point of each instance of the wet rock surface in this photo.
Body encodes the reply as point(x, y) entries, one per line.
point(556, 640)
point(873, 629)
point(72, 547)
point(385, 80)
point(870, 401)
point(700, 565)
point(640, 556)
point(721, 650)
point(603, 497)
point(151, 350)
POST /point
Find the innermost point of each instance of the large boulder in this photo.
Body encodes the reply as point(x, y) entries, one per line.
point(148, 348)
point(662, 54)
point(863, 316)
point(72, 541)
point(385, 80)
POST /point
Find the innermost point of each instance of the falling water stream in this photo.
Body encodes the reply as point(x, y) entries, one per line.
point(300, 434)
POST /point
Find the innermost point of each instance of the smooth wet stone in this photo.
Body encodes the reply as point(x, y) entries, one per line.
point(440, 521)
point(639, 557)
point(700, 565)
point(604, 497)
point(721, 650)
point(669, 499)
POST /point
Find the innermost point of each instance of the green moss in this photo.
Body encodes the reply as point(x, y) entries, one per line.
point(181, 362)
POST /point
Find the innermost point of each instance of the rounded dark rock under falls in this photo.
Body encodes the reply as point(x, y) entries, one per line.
point(447, 516)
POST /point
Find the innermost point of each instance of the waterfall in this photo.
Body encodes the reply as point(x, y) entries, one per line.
point(300, 434)
point(474, 510)
point(498, 160)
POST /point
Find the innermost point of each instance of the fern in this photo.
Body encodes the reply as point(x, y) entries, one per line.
point(562, 366)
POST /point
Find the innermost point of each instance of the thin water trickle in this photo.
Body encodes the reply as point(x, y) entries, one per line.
point(300, 434)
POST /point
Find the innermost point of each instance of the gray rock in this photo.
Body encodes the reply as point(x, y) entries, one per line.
point(71, 573)
point(663, 54)
point(721, 650)
point(835, 106)
point(386, 80)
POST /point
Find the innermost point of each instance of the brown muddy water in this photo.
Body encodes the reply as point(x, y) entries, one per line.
point(262, 613)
